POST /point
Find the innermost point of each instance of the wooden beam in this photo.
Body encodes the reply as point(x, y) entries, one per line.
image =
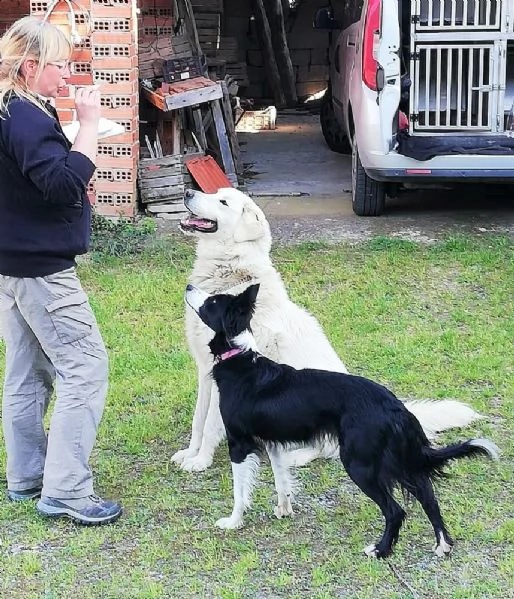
point(286, 7)
point(182, 99)
point(270, 65)
point(281, 49)
point(226, 154)
point(231, 129)
point(199, 128)
point(185, 11)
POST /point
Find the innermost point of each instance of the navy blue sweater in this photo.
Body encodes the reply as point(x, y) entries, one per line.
point(45, 215)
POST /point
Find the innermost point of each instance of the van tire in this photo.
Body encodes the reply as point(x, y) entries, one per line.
point(368, 195)
point(331, 129)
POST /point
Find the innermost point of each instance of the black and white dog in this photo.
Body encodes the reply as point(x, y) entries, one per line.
point(266, 405)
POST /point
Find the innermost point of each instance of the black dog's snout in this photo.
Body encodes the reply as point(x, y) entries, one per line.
point(189, 194)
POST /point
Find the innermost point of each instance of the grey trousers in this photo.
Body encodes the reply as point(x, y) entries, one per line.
point(51, 338)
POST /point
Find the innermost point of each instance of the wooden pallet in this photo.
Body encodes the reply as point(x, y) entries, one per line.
point(163, 180)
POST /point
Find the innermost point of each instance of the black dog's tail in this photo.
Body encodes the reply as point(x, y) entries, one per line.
point(437, 458)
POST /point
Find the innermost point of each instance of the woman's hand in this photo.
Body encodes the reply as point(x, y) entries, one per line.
point(87, 104)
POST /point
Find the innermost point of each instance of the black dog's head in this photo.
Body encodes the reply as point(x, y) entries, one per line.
point(227, 315)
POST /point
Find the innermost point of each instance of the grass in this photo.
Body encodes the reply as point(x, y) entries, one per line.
point(428, 321)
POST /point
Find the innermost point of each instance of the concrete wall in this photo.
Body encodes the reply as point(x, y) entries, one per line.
point(308, 47)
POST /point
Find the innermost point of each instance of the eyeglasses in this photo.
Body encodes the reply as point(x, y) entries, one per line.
point(61, 65)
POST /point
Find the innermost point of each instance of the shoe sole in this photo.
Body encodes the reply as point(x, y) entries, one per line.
point(21, 498)
point(57, 512)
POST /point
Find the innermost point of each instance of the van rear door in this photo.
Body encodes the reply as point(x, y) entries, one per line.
point(388, 74)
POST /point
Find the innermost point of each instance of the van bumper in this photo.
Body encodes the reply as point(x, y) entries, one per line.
point(452, 167)
point(424, 174)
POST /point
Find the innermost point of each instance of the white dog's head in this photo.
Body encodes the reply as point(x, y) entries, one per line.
point(228, 215)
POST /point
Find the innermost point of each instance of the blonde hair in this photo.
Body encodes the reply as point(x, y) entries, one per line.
point(28, 37)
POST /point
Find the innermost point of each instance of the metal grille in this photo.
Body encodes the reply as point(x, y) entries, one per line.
point(457, 15)
point(453, 87)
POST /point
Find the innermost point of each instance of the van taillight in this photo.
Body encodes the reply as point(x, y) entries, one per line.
point(370, 38)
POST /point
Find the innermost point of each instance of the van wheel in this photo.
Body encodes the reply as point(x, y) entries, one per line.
point(331, 129)
point(368, 195)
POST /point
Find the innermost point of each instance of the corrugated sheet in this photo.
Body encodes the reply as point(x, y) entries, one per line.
point(208, 175)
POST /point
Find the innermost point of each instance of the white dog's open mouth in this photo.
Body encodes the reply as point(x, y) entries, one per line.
point(195, 223)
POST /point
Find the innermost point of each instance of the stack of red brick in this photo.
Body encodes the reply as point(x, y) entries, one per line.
point(106, 55)
point(155, 20)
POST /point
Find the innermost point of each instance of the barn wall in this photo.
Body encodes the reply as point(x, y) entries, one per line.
point(307, 45)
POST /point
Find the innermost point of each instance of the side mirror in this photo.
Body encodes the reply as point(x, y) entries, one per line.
point(323, 19)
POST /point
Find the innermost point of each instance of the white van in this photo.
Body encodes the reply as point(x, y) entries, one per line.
point(421, 92)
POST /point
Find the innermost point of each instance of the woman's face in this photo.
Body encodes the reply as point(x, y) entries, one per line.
point(52, 79)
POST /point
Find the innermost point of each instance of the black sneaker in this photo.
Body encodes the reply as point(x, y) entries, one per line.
point(24, 495)
point(92, 510)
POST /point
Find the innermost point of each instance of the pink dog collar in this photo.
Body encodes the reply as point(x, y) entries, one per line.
point(228, 354)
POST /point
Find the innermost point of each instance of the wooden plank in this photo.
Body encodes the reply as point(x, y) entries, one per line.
point(160, 195)
point(173, 206)
point(186, 98)
point(226, 153)
point(194, 96)
point(231, 129)
point(156, 99)
point(176, 133)
point(199, 128)
point(203, 6)
point(163, 161)
point(209, 38)
point(169, 181)
point(167, 171)
point(206, 21)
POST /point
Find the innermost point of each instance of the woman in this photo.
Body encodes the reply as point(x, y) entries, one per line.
point(49, 329)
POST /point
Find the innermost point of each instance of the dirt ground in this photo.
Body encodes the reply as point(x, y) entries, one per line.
point(304, 190)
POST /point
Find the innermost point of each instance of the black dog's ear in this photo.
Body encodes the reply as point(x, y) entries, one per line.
point(250, 294)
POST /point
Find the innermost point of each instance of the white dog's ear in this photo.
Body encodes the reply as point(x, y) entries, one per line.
point(250, 226)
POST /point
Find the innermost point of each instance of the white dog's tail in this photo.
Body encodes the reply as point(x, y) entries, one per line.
point(439, 415)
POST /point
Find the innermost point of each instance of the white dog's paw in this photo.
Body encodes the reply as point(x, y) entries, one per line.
point(229, 523)
point(371, 550)
point(442, 549)
point(197, 463)
point(283, 510)
point(180, 456)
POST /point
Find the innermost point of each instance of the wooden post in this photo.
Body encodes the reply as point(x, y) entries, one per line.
point(199, 128)
point(270, 65)
point(283, 58)
point(231, 130)
point(186, 12)
point(224, 144)
point(286, 7)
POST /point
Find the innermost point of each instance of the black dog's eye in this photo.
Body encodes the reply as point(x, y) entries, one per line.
point(224, 202)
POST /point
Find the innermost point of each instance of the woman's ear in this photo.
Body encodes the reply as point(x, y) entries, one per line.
point(29, 67)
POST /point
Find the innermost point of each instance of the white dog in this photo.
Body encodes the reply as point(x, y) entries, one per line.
point(233, 249)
